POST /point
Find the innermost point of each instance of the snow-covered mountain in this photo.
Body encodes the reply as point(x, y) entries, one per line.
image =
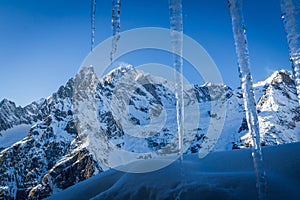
point(278, 110)
point(76, 129)
point(11, 115)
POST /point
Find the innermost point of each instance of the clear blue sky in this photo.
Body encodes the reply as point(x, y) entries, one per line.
point(43, 42)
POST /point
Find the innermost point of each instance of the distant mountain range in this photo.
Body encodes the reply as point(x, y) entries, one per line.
point(74, 129)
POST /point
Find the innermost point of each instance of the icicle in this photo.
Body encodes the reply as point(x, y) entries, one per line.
point(116, 9)
point(239, 33)
point(93, 12)
point(175, 7)
point(290, 10)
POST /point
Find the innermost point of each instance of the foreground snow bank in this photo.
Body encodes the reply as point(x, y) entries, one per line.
point(220, 175)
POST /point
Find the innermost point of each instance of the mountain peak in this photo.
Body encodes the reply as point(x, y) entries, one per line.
point(116, 73)
point(86, 70)
point(282, 76)
point(5, 101)
point(278, 76)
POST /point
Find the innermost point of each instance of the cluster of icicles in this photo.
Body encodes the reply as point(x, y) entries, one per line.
point(290, 16)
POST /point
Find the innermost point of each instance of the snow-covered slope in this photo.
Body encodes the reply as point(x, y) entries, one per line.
point(13, 135)
point(220, 175)
point(79, 128)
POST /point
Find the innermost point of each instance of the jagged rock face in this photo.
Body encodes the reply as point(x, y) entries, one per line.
point(77, 125)
point(146, 100)
point(78, 167)
point(26, 161)
point(11, 115)
point(45, 159)
point(278, 111)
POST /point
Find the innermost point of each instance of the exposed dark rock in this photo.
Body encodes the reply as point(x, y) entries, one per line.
point(78, 167)
point(244, 126)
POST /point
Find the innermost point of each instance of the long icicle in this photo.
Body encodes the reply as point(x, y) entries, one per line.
point(93, 12)
point(175, 7)
point(239, 33)
point(290, 10)
point(116, 11)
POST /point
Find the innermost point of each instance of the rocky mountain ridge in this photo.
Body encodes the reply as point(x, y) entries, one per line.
point(76, 128)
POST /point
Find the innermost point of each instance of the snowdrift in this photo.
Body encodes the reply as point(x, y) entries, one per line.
point(220, 175)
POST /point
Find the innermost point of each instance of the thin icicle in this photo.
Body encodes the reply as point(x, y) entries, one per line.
point(175, 7)
point(239, 33)
point(116, 10)
point(290, 10)
point(93, 12)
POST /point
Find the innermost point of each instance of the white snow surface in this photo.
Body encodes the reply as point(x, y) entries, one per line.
point(220, 175)
point(13, 135)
